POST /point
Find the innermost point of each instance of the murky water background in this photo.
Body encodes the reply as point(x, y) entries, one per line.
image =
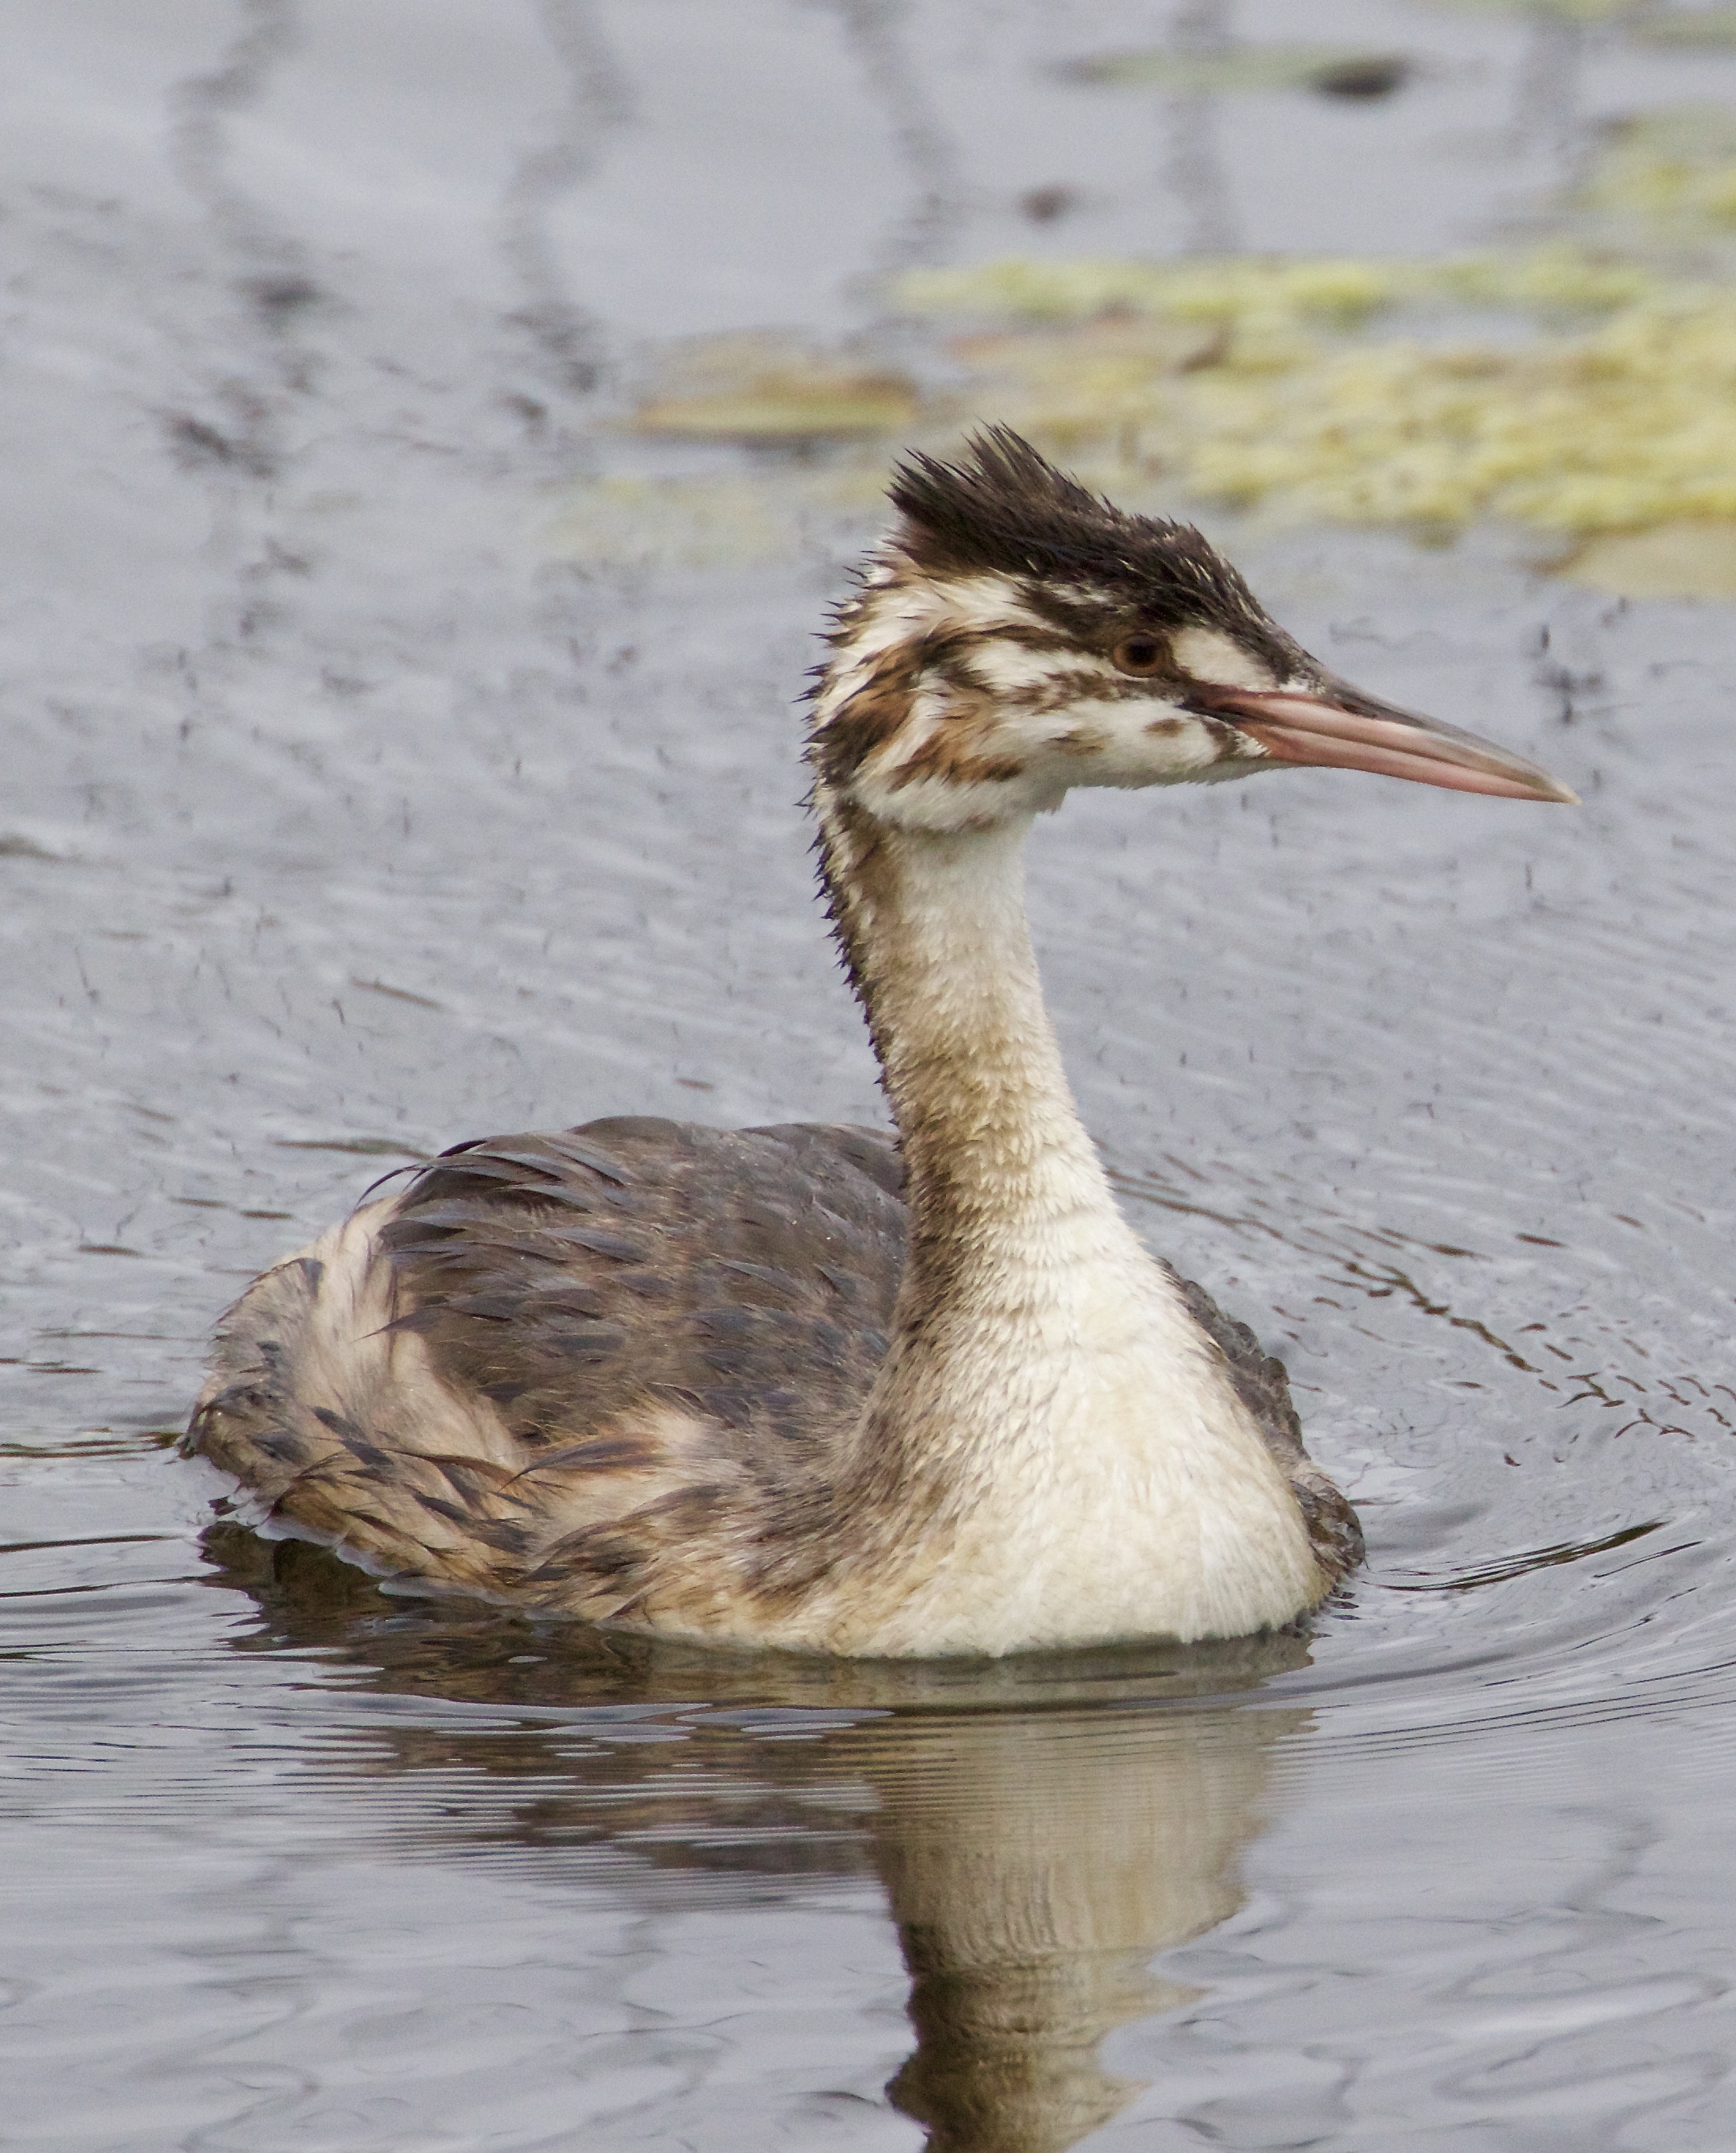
point(345, 814)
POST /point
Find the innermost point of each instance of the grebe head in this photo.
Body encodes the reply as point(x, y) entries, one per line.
point(1016, 636)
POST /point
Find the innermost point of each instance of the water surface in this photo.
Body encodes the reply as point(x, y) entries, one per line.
point(348, 813)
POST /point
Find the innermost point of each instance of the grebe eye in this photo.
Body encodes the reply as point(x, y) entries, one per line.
point(1138, 653)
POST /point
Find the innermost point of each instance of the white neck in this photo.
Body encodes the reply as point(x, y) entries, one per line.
point(1008, 1197)
point(1049, 1424)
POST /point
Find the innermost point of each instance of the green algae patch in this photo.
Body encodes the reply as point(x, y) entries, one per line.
point(1582, 390)
point(1691, 27)
point(1560, 280)
point(1571, 11)
point(764, 388)
point(1615, 412)
point(1674, 172)
point(785, 408)
point(1340, 290)
point(1334, 291)
point(1605, 408)
point(1631, 425)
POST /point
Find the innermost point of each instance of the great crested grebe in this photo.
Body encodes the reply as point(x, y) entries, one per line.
point(799, 1386)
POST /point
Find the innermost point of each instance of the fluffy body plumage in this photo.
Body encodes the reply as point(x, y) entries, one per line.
point(790, 1387)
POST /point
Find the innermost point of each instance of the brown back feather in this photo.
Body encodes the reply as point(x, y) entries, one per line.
point(746, 1279)
point(746, 1276)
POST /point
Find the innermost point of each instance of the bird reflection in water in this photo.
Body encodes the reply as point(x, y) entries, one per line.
point(1043, 1828)
point(1034, 1867)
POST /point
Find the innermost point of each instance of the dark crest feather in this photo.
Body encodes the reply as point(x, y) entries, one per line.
point(1003, 506)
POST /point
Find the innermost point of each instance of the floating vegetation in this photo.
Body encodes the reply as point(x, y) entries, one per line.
point(1619, 415)
point(1344, 291)
point(1691, 26)
point(765, 388)
point(1557, 281)
point(1572, 11)
point(1283, 387)
point(1672, 561)
point(1333, 70)
point(1285, 296)
point(1630, 424)
point(1079, 386)
point(708, 523)
point(1647, 22)
point(1584, 391)
point(1674, 170)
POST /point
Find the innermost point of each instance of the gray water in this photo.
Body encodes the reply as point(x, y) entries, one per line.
point(347, 813)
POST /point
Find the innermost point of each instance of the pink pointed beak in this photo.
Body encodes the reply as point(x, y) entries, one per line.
point(1295, 726)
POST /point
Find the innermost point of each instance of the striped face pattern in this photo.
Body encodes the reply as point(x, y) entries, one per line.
point(1016, 636)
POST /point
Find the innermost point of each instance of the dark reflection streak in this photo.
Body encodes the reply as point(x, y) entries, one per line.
point(1521, 1566)
point(1709, 1667)
point(1546, 91)
point(106, 1585)
point(1151, 1190)
point(197, 143)
point(234, 438)
point(1194, 168)
point(1374, 1284)
point(99, 1539)
point(1040, 1836)
point(1440, 1666)
point(875, 30)
point(122, 1446)
point(568, 336)
point(1544, 1719)
point(1651, 1555)
point(240, 437)
point(1377, 1282)
point(1202, 1211)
